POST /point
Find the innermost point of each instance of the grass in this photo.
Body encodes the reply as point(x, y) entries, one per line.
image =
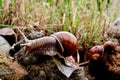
point(80, 17)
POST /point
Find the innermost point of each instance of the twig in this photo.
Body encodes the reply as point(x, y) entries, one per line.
point(26, 40)
point(74, 16)
point(63, 21)
point(84, 63)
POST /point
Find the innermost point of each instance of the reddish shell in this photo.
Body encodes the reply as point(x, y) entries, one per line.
point(68, 44)
point(96, 52)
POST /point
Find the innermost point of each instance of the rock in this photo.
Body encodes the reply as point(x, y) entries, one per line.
point(113, 32)
point(46, 69)
point(19, 70)
point(116, 22)
point(78, 74)
point(35, 35)
point(10, 70)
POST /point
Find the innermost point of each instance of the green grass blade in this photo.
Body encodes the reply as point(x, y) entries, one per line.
point(12, 1)
point(0, 5)
point(6, 26)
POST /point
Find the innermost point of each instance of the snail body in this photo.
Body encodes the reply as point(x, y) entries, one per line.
point(42, 46)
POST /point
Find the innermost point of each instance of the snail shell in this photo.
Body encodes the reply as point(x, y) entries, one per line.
point(68, 44)
point(96, 52)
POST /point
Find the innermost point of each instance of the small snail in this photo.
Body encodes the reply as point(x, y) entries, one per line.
point(62, 43)
point(96, 52)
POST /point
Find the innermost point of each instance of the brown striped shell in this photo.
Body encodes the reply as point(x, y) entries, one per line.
point(67, 43)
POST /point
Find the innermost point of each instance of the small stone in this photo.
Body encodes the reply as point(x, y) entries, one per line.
point(4, 45)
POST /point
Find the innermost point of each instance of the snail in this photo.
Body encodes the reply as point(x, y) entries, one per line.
point(96, 52)
point(60, 43)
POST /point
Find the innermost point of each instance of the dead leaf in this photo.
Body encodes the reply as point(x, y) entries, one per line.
point(66, 70)
point(7, 32)
point(9, 35)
